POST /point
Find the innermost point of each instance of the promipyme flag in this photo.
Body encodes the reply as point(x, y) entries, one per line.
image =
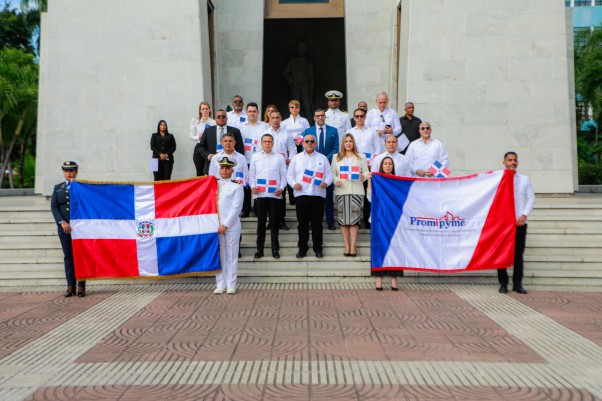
point(443, 225)
point(148, 230)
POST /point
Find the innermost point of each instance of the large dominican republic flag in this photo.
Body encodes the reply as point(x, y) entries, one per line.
point(443, 225)
point(149, 230)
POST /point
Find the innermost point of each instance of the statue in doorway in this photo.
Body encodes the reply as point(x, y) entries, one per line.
point(299, 75)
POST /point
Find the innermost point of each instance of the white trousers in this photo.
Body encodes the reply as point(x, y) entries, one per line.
point(229, 244)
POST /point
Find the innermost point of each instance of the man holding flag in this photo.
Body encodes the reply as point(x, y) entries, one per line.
point(309, 174)
point(524, 198)
point(267, 178)
point(427, 156)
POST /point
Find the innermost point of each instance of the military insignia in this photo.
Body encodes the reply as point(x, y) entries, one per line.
point(146, 229)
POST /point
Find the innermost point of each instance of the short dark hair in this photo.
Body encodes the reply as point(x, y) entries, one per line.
point(235, 96)
point(252, 104)
point(358, 109)
point(230, 135)
point(221, 110)
point(509, 153)
point(318, 111)
point(264, 135)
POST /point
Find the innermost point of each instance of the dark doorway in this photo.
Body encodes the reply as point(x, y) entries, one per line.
point(325, 39)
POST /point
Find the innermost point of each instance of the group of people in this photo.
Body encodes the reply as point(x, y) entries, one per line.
point(324, 167)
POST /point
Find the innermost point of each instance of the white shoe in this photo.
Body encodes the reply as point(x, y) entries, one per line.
point(231, 290)
point(218, 290)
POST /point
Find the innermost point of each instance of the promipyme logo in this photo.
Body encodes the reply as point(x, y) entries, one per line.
point(447, 221)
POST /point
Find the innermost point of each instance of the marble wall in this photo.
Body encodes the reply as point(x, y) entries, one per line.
point(493, 76)
point(109, 71)
point(239, 50)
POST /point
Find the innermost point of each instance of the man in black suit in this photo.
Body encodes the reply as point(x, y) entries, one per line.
point(209, 142)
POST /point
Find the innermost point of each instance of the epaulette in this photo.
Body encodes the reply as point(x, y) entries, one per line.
point(234, 181)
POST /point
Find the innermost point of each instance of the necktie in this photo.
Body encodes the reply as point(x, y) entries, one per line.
point(68, 185)
point(321, 149)
point(221, 133)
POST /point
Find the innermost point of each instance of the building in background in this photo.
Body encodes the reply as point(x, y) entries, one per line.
point(490, 76)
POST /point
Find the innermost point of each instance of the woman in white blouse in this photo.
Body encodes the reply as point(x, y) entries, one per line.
point(197, 127)
point(349, 170)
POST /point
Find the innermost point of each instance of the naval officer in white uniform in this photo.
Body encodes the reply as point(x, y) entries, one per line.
point(230, 199)
point(335, 117)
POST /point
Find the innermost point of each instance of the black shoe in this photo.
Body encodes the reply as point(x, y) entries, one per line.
point(239, 254)
point(269, 226)
point(243, 215)
point(276, 254)
point(258, 254)
point(519, 289)
point(301, 254)
point(503, 289)
point(332, 227)
point(81, 293)
point(283, 226)
point(69, 293)
point(379, 288)
point(319, 255)
point(367, 226)
point(394, 288)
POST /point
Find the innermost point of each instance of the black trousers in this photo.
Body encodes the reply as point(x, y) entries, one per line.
point(165, 168)
point(282, 207)
point(68, 258)
point(246, 204)
point(265, 207)
point(329, 205)
point(199, 160)
point(310, 210)
point(519, 250)
point(366, 206)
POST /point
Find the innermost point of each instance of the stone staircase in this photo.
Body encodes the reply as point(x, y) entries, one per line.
point(563, 247)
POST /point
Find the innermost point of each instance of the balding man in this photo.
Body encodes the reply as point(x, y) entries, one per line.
point(383, 119)
point(424, 152)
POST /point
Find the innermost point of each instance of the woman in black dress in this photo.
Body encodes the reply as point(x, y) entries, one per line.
point(163, 145)
point(387, 166)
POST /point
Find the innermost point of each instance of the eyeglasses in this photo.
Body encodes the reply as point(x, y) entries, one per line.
point(320, 115)
point(220, 116)
point(237, 101)
point(382, 118)
point(293, 107)
point(360, 116)
point(425, 128)
point(309, 141)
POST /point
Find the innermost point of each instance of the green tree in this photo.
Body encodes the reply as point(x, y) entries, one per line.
point(18, 106)
point(588, 84)
point(16, 29)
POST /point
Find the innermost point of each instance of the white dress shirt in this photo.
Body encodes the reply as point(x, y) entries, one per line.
point(401, 163)
point(254, 133)
point(235, 120)
point(241, 166)
point(315, 162)
point(377, 121)
point(197, 127)
point(270, 167)
point(283, 143)
point(367, 140)
point(340, 120)
point(422, 154)
point(295, 127)
point(524, 197)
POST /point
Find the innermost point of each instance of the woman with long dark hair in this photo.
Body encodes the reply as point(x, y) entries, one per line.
point(163, 145)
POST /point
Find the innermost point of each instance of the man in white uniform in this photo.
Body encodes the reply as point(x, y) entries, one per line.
point(230, 198)
point(335, 117)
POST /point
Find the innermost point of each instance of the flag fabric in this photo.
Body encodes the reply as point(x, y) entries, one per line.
point(145, 230)
point(439, 170)
point(239, 177)
point(443, 225)
point(299, 138)
point(267, 185)
point(249, 144)
point(349, 173)
point(313, 177)
point(219, 148)
point(369, 157)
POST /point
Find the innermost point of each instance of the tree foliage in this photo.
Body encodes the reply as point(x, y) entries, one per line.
point(588, 84)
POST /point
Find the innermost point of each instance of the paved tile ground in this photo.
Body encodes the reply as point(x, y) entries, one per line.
point(301, 342)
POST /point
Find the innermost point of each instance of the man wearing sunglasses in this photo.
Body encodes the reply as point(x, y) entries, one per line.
point(213, 136)
point(237, 116)
point(327, 143)
point(309, 174)
point(423, 152)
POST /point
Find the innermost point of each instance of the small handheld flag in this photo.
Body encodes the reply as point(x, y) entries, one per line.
point(439, 170)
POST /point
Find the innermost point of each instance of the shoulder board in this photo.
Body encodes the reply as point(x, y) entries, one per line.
point(344, 111)
point(236, 182)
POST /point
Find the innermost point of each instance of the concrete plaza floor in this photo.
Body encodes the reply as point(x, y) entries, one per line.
point(300, 342)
